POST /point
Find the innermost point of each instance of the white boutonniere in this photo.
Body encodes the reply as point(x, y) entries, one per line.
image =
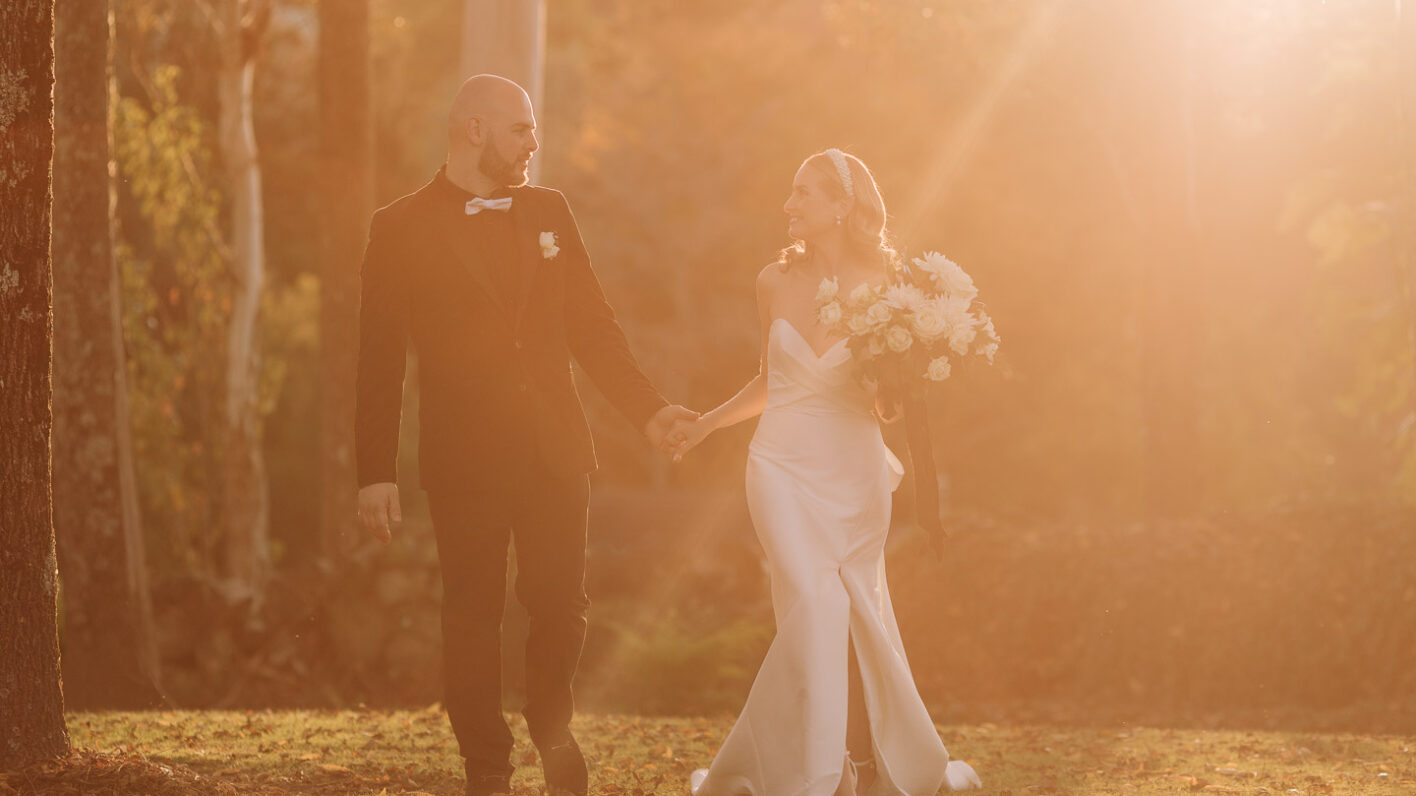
point(549, 248)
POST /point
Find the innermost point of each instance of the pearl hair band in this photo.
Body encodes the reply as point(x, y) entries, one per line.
point(842, 170)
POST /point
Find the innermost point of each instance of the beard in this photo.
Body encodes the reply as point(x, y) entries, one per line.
point(502, 171)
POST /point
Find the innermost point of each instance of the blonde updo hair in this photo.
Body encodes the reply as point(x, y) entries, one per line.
point(863, 224)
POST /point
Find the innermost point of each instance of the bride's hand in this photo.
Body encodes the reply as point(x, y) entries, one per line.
point(686, 434)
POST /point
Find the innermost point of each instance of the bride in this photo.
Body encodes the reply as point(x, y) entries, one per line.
point(833, 709)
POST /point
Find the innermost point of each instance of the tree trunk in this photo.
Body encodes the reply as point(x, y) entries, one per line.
point(1405, 35)
point(507, 38)
point(109, 644)
point(347, 148)
point(31, 698)
point(245, 507)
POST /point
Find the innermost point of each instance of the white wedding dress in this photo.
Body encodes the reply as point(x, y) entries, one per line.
point(819, 482)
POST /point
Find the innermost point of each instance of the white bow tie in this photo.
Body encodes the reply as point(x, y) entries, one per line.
point(478, 204)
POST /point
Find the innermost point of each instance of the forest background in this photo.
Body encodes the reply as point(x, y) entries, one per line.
point(1185, 494)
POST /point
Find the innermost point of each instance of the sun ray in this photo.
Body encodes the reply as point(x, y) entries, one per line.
point(944, 168)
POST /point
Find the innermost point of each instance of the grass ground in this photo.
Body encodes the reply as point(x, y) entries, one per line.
point(413, 752)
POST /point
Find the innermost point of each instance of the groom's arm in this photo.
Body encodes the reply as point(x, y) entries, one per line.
point(595, 337)
point(383, 344)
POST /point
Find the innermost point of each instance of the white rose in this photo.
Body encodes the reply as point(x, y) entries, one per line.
point(931, 320)
point(549, 248)
point(830, 314)
point(862, 294)
point(858, 323)
point(938, 369)
point(878, 313)
point(899, 339)
point(827, 290)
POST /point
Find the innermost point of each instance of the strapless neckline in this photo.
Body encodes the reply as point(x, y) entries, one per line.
point(818, 357)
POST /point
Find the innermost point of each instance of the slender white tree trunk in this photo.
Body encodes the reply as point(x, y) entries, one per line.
point(507, 38)
point(246, 503)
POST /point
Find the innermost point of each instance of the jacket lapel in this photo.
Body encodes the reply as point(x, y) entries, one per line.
point(445, 231)
point(528, 246)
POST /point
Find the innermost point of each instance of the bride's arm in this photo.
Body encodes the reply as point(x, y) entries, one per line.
point(752, 398)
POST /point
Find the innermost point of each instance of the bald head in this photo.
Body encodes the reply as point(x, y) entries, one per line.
point(489, 97)
point(491, 127)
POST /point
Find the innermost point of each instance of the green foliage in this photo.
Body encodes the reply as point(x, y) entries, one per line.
point(1198, 234)
point(176, 298)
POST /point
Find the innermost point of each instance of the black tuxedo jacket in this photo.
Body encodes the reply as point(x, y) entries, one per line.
point(494, 371)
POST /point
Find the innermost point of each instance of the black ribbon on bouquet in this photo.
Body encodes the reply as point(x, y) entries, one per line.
point(926, 478)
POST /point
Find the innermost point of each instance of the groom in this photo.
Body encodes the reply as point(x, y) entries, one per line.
point(489, 279)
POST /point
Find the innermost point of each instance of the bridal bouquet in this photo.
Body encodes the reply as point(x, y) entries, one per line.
point(905, 336)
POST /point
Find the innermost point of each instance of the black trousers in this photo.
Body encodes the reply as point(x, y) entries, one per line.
point(546, 514)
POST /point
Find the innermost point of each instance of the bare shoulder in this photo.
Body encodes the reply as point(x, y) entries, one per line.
point(770, 278)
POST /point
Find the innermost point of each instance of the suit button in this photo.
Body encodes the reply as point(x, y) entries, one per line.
point(518, 345)
point(522, 387)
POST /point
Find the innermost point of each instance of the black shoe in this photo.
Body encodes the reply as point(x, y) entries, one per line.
point(488, 785)
point(564, 767)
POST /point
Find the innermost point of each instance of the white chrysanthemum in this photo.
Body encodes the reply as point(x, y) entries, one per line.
point(931, 319)
point(938, 369)
point(987, 331)
point(957, 307)
point(827, 290)
point(905, 297)
point(830, 313)
point(989, 351)
point(899, 339)
point(932, 263)
point(958, 284)
point(878, 313)
point(953, 280)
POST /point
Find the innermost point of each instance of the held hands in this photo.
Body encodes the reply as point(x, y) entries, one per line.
point(378, 505)
point(663, 421)
point(887, 410)
point(686, 434)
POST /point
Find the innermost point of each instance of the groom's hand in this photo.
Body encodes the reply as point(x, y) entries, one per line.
point(378, 506)
point(658, 427)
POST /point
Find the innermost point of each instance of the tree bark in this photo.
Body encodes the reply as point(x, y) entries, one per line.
point(31, 698)
point(109, 644)
point(245, 507)
point(507, 38)
point(347, 174)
